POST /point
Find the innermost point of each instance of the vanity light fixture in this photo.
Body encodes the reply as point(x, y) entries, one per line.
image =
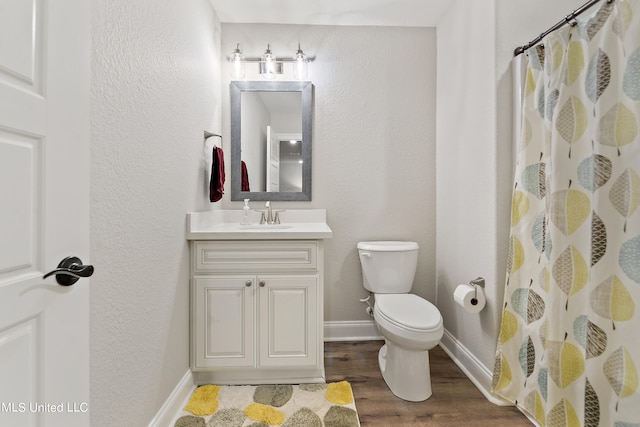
point(269, 65)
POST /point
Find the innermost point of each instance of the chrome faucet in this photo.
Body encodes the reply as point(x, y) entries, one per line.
point(269, 218)
point(269, 214)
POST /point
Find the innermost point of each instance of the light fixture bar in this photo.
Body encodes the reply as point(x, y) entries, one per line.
point(269, 64)
point(258, 59)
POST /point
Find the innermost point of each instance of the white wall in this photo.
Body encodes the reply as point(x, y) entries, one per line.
point(155, 89)
point(475, 46)
point(467, 197)
point(373, 142)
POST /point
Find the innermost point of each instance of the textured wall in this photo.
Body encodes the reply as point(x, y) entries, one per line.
point(155, 88)
point(468, 235)
point(373, 142)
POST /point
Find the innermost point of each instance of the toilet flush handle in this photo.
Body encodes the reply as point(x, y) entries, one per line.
point(365, 254)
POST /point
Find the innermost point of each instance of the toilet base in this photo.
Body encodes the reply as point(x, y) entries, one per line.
point(406, 372)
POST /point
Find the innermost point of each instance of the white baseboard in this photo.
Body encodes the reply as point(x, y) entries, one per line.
point(354, 330)
point(168, 413)
point(479, 374)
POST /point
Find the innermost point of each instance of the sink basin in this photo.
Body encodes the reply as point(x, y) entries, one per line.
point(265, 227)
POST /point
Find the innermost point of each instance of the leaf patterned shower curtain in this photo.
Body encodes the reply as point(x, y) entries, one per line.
point(569, 347)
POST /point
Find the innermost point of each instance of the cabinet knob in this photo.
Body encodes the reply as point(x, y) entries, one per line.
point(248, 283)
point(262, 283)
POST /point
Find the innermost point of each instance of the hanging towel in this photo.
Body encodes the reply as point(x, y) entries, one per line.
point(245, 176)
point(216, 186)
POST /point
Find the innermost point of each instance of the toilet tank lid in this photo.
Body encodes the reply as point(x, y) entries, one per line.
point(388, 246)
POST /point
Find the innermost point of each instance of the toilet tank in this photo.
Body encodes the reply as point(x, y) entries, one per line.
point(388, 267)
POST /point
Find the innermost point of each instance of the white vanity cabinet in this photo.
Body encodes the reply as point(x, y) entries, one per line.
point(257, 311)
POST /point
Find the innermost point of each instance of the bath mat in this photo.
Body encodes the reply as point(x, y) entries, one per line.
point(304, 405)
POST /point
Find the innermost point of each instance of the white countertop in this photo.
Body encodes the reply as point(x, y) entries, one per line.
point(225, 225)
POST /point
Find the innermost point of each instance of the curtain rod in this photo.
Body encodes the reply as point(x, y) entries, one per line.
point(567, 20)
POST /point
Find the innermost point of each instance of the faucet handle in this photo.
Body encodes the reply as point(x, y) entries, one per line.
point(276, 217)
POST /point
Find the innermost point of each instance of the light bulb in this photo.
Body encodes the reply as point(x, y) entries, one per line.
point(268, 64)
point(237, 63)
point(300, 65)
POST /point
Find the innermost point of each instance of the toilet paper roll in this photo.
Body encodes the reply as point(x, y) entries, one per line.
point(472, 300)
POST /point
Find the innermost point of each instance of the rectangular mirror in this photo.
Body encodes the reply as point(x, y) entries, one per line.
point(271, 140)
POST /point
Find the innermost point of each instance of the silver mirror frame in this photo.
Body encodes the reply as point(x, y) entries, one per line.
point(235, 91)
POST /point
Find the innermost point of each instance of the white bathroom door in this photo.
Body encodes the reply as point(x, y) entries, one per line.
point(44, 211)
point(273, 161)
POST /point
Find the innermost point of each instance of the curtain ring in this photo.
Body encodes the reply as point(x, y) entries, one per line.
point(571, 19)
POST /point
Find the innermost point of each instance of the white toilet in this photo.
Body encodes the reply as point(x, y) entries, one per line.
point(411, 325)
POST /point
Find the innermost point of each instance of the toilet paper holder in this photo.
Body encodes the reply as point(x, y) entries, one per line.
point(475, 283)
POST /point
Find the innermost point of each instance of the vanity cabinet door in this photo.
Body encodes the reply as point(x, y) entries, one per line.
point(288, 320)
point(224, 330)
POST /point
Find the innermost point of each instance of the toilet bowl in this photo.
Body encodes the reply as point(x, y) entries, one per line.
point(410, 325)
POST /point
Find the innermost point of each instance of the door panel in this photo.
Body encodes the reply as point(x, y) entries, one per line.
point(21, 60)
point(44, 214)
point(19, 352)
point(224, 310)
point(273, 161)
point(21, 224)
point(288, 320)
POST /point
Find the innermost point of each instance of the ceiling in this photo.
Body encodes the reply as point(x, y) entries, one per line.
point(405, 13)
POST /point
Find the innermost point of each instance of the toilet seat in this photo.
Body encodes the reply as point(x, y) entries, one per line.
point(408, 311)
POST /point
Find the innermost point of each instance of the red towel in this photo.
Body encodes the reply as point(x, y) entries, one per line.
point(245, 176)
point(216, 186)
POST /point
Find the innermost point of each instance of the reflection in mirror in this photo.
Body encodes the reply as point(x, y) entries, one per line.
point(271, 140)
point(269, 120)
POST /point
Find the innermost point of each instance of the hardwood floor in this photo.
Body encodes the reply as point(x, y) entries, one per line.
point(455, 400)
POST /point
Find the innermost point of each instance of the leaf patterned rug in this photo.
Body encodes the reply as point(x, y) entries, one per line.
point(304, 405)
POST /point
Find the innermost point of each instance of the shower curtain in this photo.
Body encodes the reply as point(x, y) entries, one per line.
point(569, 348)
